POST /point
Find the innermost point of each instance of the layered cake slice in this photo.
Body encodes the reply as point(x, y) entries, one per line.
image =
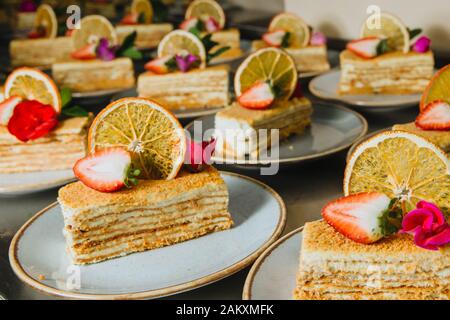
point(34, 135)
point(42, 48)
point(140, 20)
point(267, 101)
point(98, 62)
point(307, 48)
point(389, 73)
point(438, 137)
point(156, 213)
point(237, 127)
point(58, 150)
point(391, 59)
point(180, 77)
point(199, 88)
point(334, 267)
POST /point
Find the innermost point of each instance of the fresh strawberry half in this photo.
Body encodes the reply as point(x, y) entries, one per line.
point(189, 24)
point(7, 109)
point(130, 19)
point(107, 170)
point(158, 65)
point(435, 116)
point(259, 96)
point(211, 25)
point(274, 38)
point(364, 47)
point(363, 217)
point(85, 53)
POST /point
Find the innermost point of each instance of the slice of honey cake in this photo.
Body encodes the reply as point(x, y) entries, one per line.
point(334, 267)
point(155, 213)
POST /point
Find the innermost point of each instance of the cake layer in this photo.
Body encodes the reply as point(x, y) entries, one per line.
point(238, 129)
point(93, 75)
point(152, 240)
point(148, 35)
point(390, 73)
point(199, 88)
point(100, 226)
point(59, 149)
point(334, 267)
point(40, 52)
point(439, 138)
point(307, 59)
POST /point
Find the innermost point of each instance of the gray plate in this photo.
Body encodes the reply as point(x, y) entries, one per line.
point(15, 184)
point(97, 94)
point(273, 275)
point(333, 129)
point(38, 257)
point(325, 86)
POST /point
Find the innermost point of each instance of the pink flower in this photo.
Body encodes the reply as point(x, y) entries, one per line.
point(198, 154)
point(428, 225)
point(422, 44)
point(318, 39)
point(27, 6)
point(185, 62)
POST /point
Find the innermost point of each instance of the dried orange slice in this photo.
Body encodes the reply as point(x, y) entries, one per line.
point(438, 88)
point(179, 41)
point(33, 84)
point(144, 8)
point(298, 29)
point(92, 29)
point(389, 27)
point(46, 18)
point(267, 65)
point(202, 9)
point(402, 165)
point(153, 136)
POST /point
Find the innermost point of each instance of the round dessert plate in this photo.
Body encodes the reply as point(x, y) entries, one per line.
point(38, 257)
point(180, 114)
point(325, 86)
point(334, 128)
point(14, 184)
point(273, 275)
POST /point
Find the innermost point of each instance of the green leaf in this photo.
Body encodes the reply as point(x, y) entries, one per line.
point(171, 64)
point(132, 53)
point(414, 32)
point(285, 40)
point(195, 31)
point(208, 42)
point(75, 111)
point(66, 97)
point(216, 53)
point(141, 18)
point(127, 43)
point(391, 219)
point(382, 47)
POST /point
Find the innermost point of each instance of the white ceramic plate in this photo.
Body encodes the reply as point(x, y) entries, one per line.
point(38, 251)
point(273, 275)
point(12, 184)
point(333, 129)
point(97, 94)
point(325, 87)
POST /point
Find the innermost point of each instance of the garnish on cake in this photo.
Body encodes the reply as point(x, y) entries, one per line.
point(33, 104)
point(141, 12)
point(107, 170)
point(102, 49)
point(183, 51)
point(198, 154)
point(203, 16)
point(256, 90)
point(45, 23)
point(289, 31)
point(392, 35)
